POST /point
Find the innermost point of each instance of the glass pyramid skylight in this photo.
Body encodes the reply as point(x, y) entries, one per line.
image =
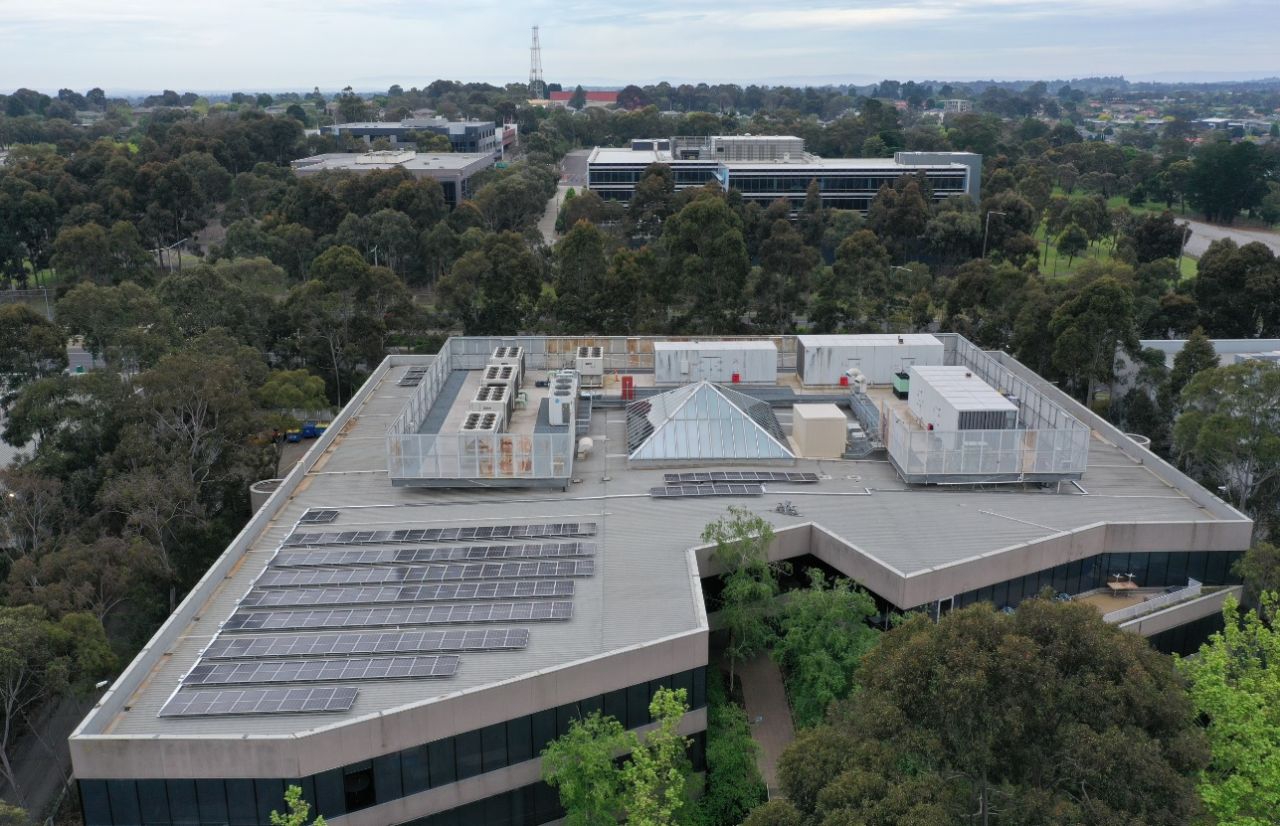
point(704, 423)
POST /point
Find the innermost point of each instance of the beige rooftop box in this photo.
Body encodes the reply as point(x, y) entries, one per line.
point(819, 430)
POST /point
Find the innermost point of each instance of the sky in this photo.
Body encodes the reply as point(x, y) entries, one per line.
point(272, 45)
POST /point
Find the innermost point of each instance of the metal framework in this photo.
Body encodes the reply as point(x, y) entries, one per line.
point(537, 88)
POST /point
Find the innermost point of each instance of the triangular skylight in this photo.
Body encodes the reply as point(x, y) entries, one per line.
point(704, 423)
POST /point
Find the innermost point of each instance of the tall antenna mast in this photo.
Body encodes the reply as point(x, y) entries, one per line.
point(537, 89)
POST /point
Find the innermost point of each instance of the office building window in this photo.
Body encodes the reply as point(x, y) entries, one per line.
point(239, 802)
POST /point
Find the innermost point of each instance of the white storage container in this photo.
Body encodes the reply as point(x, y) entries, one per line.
point(948, 399)
point(823, 360)
point(685, 362)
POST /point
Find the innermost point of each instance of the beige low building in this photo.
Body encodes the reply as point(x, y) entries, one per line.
point(421, 605)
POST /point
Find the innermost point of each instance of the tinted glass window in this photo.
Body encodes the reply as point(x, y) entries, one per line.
point(242, 803)
point(469, 754)
point(270, 795)
point(357, 786)
point(124, 802)
point(386, 778)
point(330, 799)
point(519, 739)
point(95, 803)
point(413, 770)
point(440, 762)
point(493, 745)
point(211, 797)
point(183, 809)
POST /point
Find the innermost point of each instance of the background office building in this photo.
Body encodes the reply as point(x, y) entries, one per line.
point(464, 136)
point(453, 170)
point(493, 541)
point(767, 167)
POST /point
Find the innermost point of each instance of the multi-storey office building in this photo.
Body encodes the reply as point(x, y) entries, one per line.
point(452, 574)
point(765, 168)
point(453, 170)
point(464, 136)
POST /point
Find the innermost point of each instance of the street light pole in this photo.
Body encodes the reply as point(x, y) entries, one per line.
point(987, 230)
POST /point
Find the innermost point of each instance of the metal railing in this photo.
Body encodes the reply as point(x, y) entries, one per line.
point(1192, 590)
point(977, 454)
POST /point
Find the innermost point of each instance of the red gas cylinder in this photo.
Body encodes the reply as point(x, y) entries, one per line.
point(736, 378)
point(844, 381)
point(628, 388)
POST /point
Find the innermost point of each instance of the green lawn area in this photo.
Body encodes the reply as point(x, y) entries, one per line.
point(1061, 267)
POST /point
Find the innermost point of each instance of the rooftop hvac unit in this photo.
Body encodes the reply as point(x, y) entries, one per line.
point(503, 374)
point(510, 356)
point(560, 405)
point(562, 401)
point(590, 365)
point(494, 398)
point(481, 423)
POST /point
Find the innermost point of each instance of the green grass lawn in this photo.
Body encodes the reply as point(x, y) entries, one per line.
point(1056, 266)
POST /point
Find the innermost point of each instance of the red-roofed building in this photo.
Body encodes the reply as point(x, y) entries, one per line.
point(593, 98)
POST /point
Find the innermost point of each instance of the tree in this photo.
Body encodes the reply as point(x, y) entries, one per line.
point(656, 779)
point(858, 284)
point(1089, 330)
point(1158, 236)
point(706, 260)
point(1227, 178)
point(734, 785)
point(650, 788)
point(39, 660)
point(1260, 570)
point(96, 577)
point(823, 638)
point(580, 766)
point(1234, 683)
point(580, 265)
point(779, 286)
point(742, 542)
point(31, 347)
point(1196, 355)
point(578, 99)
point(1072, 242)
point(298, 810)
point(777, 812)
point(1229, 429)
point(1048, 715)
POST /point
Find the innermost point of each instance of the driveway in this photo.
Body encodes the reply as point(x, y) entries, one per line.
point(1203, 234)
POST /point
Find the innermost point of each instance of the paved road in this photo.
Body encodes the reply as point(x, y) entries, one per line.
point(574, 168)
point(547, 223)
point(769, 715)
point(1203, 234)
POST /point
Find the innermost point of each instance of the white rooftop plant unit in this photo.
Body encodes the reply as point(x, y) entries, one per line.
point(723, 362)
point(494, 398)
point(503, 374)
point(949, 399)
point(825, 360)
point(563, 398)
point(477, 422)
point(590, 365)
point(510, 356)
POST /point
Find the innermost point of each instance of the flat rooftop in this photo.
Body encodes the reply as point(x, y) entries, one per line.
point(454, 161)
point(640, 586)
point(624, 155)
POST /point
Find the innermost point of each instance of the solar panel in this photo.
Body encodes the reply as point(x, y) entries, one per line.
point(517, 589)
point(355, 643)
point(457, 534)
point(323, 670)
point(211, 702)
point(372, 617)
point(706, 477)
point(546, 569)
point(686, 491)
point(455, 553)
point(318, 517)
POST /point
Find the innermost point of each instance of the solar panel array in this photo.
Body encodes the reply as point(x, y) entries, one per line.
point(685, 491)
point(318, 517)
point(412, 377)
point(459, 534)
point(350, 592)
point(399, 615)
point(352, 643)
point(373, 595)
point(323, 670)
point(259, 701)
point(401, 556)
point(706, 477)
